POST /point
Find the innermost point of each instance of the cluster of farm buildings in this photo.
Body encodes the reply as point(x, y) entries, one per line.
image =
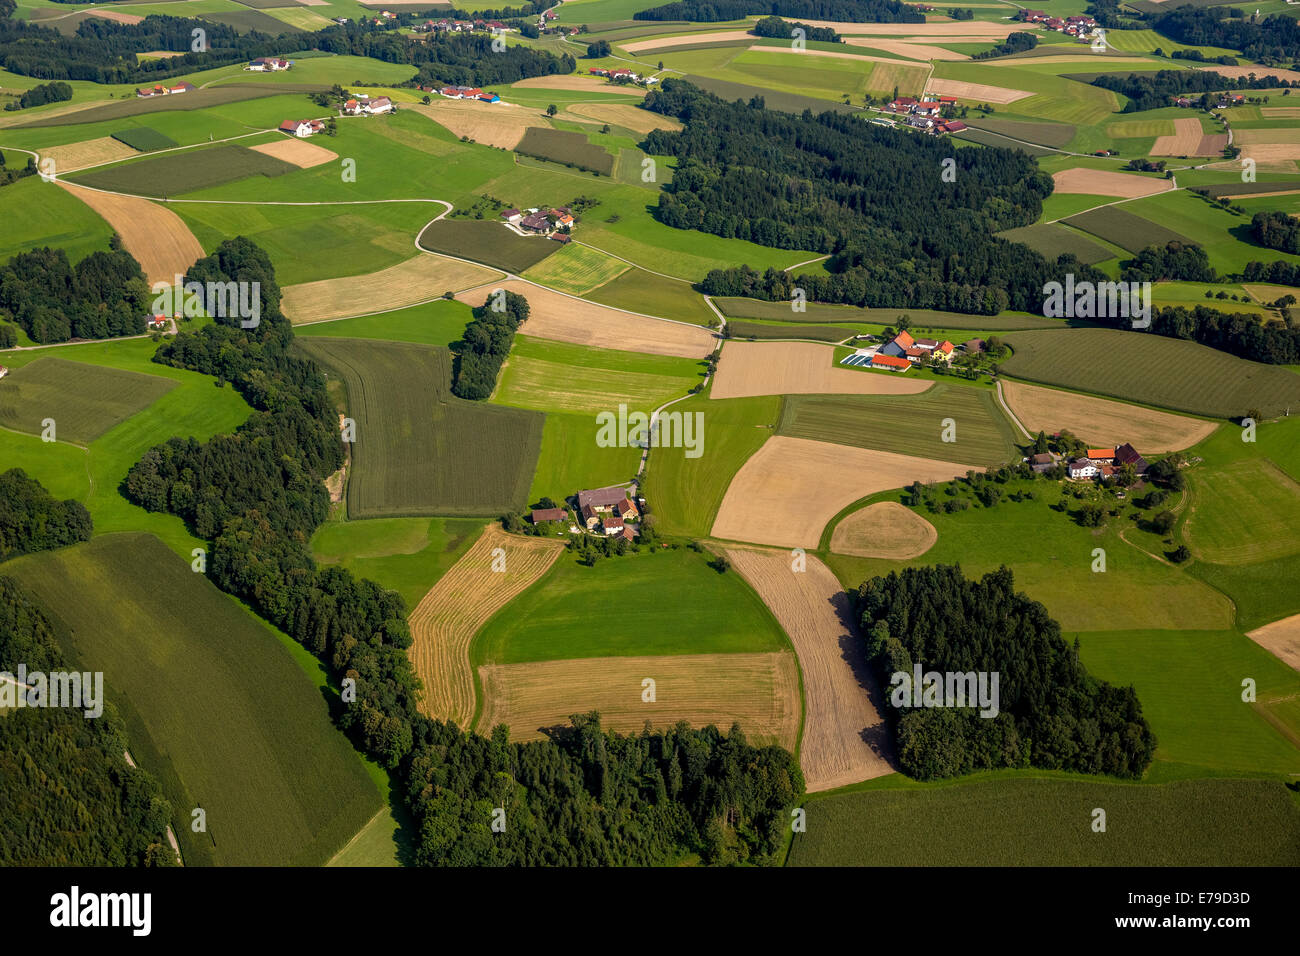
point(1076, 26)
point(1225, 100)
point(554, 223)
point(464, 93)
point(902, 352)
point(623, 73)
point(602, 511)
point(164, 90)
point(1099, 463)
point(925, 113)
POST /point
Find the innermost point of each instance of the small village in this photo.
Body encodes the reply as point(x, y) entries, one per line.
point(924, 114)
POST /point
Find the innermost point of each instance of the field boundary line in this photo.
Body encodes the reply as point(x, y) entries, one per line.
point(1010, 414)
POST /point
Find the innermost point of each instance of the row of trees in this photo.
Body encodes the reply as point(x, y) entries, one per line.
point(104, 296)
point(1014, 43)
point(41, 94)
point(1152, 91)
point(848, 11)
point(784, 30)
point(582, 797)
point(905, 221)
point(486, 344)
point(32, 520)
point(1051, 713)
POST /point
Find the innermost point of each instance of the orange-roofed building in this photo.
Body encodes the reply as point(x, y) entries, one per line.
point(891, 362)
point(1101, 454)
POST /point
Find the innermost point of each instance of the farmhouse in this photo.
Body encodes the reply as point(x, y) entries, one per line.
point(1126, 454)
point(1044, 462)
point(541, 515)
point(1083, 468)
point(268, 64)
point(302, 128)
point(916, 351)
point(890, 362)
point(1101, 456)
point(3, 371)
point(158, 322)
point(380, 104)
point(165, 90)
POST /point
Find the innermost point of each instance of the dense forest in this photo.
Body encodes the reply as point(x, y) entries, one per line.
point(69, 798)
point(1272, 38)
point(1152, 91)
point(784, 30)
point(847, 11)
point(1276, 230)
point(32, 520)
point(1174, 261)
point(104, 51)
point(876, 200)
point(1051, 713)
point(1014, 43)
point(1278, 271)
point(582, 797)
point(486, 344)
point(105, 295)
point(1240, 333)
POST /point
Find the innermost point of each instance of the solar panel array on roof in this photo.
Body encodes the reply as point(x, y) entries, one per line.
point(856, 360)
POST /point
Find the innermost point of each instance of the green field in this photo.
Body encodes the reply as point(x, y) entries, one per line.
point(1225, 236)
point(1022, 820)
point(238, 726)
point(1126, 229)
point(144, 138)
point(1152, 370)
point(37, 213)
point(193, 100)
point(440, 322)
point(485, 241)
point(84, 401)
point(742, 329)
point(708, 613)
point(684, 493)
point(186, 172)
point(908, 424)
point(419, 449)
point(568, 148)
point(1052, 239)
point(639, 291)
point(406, 555)
point(922, 319)
point(570, 458)
point(576, 269)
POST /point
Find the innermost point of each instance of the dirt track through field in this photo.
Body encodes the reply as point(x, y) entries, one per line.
point(1281, 639)
point(884, 530)
point(800, 368)
point(156, 236)
point(760, 691)
point(978, 92)
point(1102, 421)
point(791, 487)
point(416, 280)
point(300, 153)
point(844, 736)
point(493, 124)
point(445, 621)
point(563, 318)
point(1105, 182)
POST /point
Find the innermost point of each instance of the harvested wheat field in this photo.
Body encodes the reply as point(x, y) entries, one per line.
point(980, 92)
point(1281, 639)
point(565, 318)
point(1102, 422)
point(1280, 112)
point(90, 152)
point(884, 530)
point(787, 491)
point(1252, 137)
point(497, 124)
point(955, 30)
point(686, 39)
point(579, 82)
point(859, 57)
point(625, 115)
point(916, 51)
point(1185, 141)
point(760, 691)
point(300, 153)
point(156, 236)
point(1280, 155)
point(419, 279)
point(1104, 182)
point(1235, 72)
point(799, 368)
point(116, 15)
point(844, 736)
point(446, 620)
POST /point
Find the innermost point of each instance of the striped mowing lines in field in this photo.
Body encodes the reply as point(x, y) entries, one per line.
point(497, 568)
point(576, 269)
point(1220, 497)
point(84, 401)
point(1124, 228)
point(759, 691)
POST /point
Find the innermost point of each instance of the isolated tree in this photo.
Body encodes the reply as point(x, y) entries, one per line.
point(552, 110)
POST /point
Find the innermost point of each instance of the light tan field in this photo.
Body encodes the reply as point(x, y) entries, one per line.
point(1281, 155)
point(787, 491)
point(1102, 422)
point(562, 318)
point(831, 53)
point(1261, 292)
point(686, 39)
point(625, 115)
point(1259, 71)
point(1280, 112)
point(90, 152)
point(418, 279)
point(156, 236)
point(321, 3)
point(299, 152)
point(1104, 182)
point(1253, 137)
point(761, 691)
point(494, 124)
point(1281, 639)
point(844, 736)
point(582, 83)
point(800, 368)
point(448, 617)
point(884, 530)
point(979, 92)
point(1185, 141)
point(160, 54)
point(16, 117)
point(116, 15)
point(957, 30)
point(916, 51)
